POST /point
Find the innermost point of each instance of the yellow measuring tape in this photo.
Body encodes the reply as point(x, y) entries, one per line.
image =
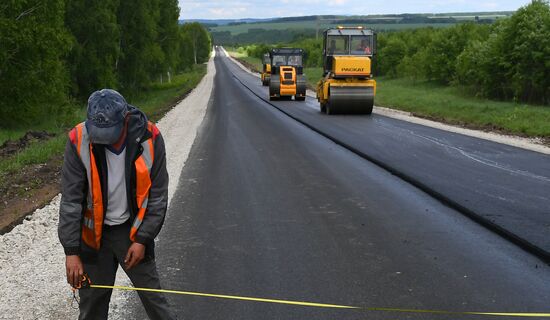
point(324, 305)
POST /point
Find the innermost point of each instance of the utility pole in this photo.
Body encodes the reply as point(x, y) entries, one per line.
point(317, 30)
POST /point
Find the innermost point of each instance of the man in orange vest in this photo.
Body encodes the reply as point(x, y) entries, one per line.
point(364, 48)
point(114, 200)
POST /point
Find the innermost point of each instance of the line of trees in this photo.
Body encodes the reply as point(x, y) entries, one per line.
point(259, 35)
point(507, 60)
point(52, 51)
point(313, 50)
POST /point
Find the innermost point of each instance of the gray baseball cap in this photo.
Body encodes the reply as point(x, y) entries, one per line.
point(107, 110)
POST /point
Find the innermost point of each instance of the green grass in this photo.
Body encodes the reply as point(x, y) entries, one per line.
point(239, 53)
point(454, 105)
point(236, 52)
point(158, 100)
point(155, 102)
point(312, 25)
point(10, 134)
point(52, 125)
point(38, 152)
point(313, 75)
point(257, 63)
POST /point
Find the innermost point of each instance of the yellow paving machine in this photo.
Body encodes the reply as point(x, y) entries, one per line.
point(287, 74)
point(347, 86)
point(266, 71)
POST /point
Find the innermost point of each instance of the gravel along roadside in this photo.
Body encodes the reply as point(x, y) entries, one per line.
point(32, 263)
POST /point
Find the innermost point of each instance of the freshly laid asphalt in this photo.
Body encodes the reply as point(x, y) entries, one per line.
point(267, 207)
point(505, 188)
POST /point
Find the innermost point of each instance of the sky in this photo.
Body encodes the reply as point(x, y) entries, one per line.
point(196, 9)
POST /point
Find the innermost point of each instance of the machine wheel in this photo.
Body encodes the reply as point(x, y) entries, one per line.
point(350, 100)
point(301, 87)
point(274, 87)
point(369, 109)
point(329, 109)
point(323, 107)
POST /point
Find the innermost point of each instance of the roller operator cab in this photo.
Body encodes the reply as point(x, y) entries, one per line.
point(347, 86)
point(266, 71)
point(287, 74)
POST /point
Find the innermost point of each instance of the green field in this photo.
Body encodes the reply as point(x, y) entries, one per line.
point(448, 104)
point(312, 25)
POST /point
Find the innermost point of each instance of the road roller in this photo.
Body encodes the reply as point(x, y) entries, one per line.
point(287, 74)
point(266, 70)
point(347, 86)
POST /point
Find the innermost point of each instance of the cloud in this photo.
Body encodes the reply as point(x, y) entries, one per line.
point(333, 3)
point(228, 12)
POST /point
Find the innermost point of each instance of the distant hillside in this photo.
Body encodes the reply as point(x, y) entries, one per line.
point(381, 22)
point(224, 22)
point(285, 29)
point(456, 15)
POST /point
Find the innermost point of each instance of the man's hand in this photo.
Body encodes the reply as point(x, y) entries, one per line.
point(135, 254)
point(75, 270)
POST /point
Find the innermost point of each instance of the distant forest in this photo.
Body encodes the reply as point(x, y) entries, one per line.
point(274, 31)
point(222, 22)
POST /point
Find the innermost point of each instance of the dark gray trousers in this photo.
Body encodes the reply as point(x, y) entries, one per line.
point(94, 303)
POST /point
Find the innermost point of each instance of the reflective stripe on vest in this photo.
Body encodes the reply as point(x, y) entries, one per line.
point(143, 182)
point(92, 223)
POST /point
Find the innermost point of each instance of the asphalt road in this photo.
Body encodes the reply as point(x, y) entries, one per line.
point(504, 187)
point(267, 207)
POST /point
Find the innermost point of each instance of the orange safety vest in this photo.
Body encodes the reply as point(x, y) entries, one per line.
point(92, 224)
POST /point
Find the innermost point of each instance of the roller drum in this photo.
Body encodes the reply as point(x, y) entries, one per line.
point(350, 100)
point(265, 81)
point(301, 87)
point(275, 87)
